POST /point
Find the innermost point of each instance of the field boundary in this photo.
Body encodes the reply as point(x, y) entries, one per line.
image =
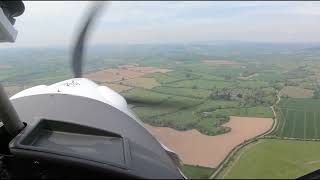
point(299, 110)
point(315, 124)
point(284, 121)
point(305, 125)
point(236, 149)
point(239, 156)
point(293, 125)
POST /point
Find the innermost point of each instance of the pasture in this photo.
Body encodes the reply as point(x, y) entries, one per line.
point(147, 83)
point(196, 172)
point(274, 159)
point(162, 78)
point(117, 87)
point(187, 92)
point(202, 84)
point(296, 92)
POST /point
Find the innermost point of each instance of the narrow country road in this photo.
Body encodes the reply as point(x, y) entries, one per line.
point(268, 132)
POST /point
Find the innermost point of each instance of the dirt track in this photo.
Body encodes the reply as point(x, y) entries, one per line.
point(198, 149)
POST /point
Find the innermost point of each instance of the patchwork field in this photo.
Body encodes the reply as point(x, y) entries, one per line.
point(111, 75)
point(215, 148)
point(220, 62)
point(193, 89)
point(195, 96)
point(298, 118)
point(189, 105)
point(123, 72)
point(274, 159)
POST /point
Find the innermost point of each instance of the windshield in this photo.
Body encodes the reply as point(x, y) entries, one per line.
point(231, 87)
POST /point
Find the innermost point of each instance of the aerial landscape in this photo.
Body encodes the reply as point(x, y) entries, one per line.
point(224, 108)
point(196, 90)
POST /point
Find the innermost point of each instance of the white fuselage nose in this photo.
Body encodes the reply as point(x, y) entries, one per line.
point(80, 87)
point(86, 88)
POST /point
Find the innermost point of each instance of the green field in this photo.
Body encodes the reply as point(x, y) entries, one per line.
point(196, 172)
point(201, 96)
point(192, 92)
point(202, 84)
point(276, 159)
point(298, 118)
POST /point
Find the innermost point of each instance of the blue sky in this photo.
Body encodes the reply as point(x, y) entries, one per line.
point(54, 23)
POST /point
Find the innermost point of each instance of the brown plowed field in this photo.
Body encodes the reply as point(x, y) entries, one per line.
point(199, 149)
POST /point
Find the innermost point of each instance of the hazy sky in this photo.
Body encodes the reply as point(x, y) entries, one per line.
point(50, 23)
